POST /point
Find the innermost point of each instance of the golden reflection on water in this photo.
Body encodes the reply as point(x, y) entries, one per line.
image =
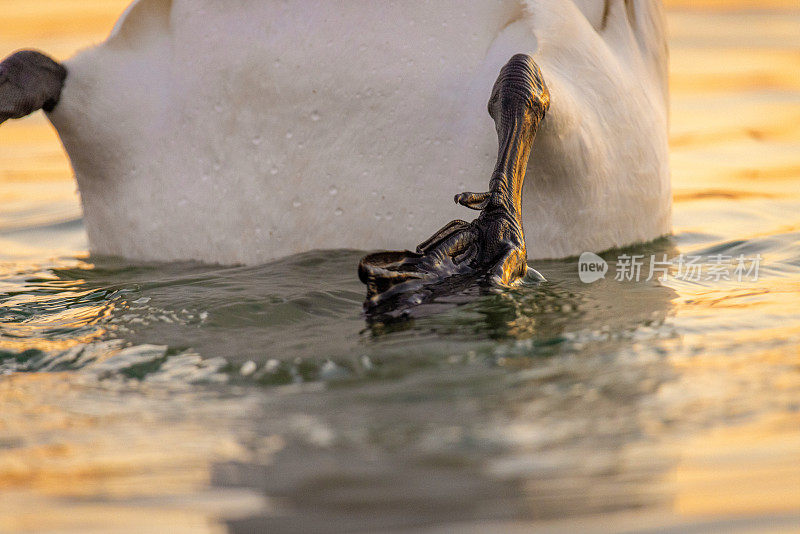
point(750, 468)
point(735, 156)
point(149, 477)
point(717, 476)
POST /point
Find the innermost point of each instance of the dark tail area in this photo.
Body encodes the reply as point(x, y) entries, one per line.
point(29, 81)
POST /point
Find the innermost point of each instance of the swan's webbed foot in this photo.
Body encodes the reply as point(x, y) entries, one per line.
point(29, 81)
point(446, 231)
point(487, 251)
point(490, 249)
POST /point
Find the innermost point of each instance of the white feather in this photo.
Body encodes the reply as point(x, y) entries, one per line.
point(239, 132)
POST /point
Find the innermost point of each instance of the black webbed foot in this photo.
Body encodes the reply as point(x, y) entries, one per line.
point(436, 239)
point(491, 249)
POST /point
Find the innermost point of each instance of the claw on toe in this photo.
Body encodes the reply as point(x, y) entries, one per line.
point(475, 201)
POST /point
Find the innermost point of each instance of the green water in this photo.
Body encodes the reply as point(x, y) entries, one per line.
point(552, 400)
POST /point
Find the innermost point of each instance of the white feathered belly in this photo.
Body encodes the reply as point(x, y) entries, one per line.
point(243, 133)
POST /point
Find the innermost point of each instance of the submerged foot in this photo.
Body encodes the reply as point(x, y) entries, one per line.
point(490, 249)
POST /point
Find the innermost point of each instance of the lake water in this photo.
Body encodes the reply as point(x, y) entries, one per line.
point(189, 398)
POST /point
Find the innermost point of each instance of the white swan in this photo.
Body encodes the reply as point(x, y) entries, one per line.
point(238, 132)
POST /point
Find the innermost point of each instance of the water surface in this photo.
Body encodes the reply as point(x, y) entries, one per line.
point(196, 398)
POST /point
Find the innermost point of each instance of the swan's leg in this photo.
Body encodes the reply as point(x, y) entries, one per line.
point(511, 267)
point(493, 245)
point(29, 81)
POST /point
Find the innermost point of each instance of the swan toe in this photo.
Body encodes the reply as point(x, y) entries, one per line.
point(475, 201)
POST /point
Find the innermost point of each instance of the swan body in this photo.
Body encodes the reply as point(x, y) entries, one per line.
point(239, 132)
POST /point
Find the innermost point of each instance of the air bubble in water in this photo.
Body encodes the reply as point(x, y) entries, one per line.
point(248, 368)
